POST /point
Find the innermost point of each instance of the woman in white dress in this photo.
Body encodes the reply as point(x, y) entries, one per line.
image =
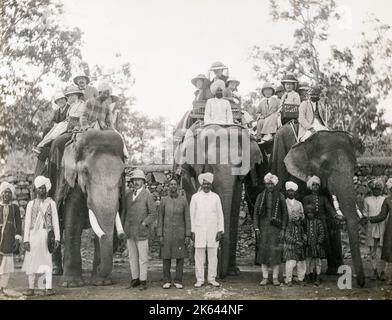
point(41, 217)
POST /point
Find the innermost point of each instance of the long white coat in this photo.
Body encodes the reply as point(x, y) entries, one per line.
point(206, 218)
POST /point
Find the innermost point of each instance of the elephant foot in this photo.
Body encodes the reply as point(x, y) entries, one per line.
point(101, 282)
point(72, 282)
point(235, 271)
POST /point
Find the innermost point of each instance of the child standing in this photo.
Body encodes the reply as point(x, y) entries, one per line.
point(295, 238)
point(290, 100)
point(314, 249)
point(268, 110)
point(41, 218)
point(10, 233)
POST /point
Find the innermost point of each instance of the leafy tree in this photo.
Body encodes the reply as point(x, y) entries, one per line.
point(355, 79)
point(36, 51)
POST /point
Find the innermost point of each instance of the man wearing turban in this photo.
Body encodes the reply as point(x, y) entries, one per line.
point(41, 218)
point(294, 242)
point(269, 221)
point(10, 233)
point(218, 110)
point(327, 214)
point(375, 232)
point(207, 227)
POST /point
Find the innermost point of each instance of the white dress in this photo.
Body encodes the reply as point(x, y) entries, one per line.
point(38, 259)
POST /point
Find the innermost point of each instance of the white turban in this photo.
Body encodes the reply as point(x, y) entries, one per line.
point(312, 180)
point(389, 183)
point(271, 178)
point(40, 181)
point(6, 185)
point(206, 176)
point(217, 84)
point(290, 185)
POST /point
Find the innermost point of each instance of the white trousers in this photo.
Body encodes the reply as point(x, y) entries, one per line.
point(311, 264)
point(375, 254)
point(138, 258)
point(4, 278)
point(275, 271)
point(200, 259)
point(47, 276)
point(301, 270)
point(316, 126)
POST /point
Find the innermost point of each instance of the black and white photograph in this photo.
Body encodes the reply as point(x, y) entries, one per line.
point(195, 150)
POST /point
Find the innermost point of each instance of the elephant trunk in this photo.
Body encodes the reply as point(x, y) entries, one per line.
point(342, 188)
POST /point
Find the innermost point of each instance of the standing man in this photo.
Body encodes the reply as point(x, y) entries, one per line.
point(207, 228)
point(375, 232)
point(89, 92)
point(174, 231)
point(140, 214)
point(218, 110)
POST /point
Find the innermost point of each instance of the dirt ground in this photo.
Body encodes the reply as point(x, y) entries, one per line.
point(245, 286)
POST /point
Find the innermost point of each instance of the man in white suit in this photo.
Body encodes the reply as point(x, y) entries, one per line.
point(311, 117)
point(207, 229)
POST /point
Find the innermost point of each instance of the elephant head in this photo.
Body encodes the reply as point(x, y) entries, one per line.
point(228, 153)
point(99, 168)
point(331, 156)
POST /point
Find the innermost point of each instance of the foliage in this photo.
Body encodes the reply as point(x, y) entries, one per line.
point(355, 79)
point(35, 48)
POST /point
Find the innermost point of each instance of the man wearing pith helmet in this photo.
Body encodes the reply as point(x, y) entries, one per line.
point(140, 214)
point(82, 81)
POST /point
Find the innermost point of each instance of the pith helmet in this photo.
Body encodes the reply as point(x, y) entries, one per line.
point(304, 86)
point(268, 85)
point(201, 77)
point(289, 78)
point(59, 95)
point(279, 89)
point(233, 79)
point(315, 91)
point(80, 75)
point(72, 90)
point(217, 66)
point(138, 174)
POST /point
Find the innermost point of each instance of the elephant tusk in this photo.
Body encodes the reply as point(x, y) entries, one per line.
point(119, 227)
point(359, 213)
point(336, 206)
point(94, 224)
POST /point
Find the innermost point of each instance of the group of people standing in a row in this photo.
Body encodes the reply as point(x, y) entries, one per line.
point(279, 105)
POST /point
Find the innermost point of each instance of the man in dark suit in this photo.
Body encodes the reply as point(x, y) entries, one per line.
point(140, 214)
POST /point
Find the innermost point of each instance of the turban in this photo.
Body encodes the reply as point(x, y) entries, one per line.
point(389, 183)
point(312, 180)
point(291, 186)
point(208, 176)
point(40, 181)
point(378, 183)
point(217, 84)
point(271, 178)
point(6, 185)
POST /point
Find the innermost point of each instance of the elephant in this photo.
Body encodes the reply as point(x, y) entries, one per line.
point(230, 154)
point(93, 169)
point(330, 155)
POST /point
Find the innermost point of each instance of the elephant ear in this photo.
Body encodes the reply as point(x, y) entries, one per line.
point(69, 165)
point(321, 154)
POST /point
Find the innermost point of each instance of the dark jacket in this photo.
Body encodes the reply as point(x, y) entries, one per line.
point(386, 210)
point(12, 227)
point(142, 209)
point(174, 224)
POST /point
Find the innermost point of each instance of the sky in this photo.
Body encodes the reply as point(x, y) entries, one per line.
point(169, 42)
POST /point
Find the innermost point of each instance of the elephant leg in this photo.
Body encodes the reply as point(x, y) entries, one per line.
point(74, 210)
point(57, 257)
point(233, 269)
point(335, 257)
point(96, 279)
point(353, 235)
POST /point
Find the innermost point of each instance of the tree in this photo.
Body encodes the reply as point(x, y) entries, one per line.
point(36, 51)
point(355, 79)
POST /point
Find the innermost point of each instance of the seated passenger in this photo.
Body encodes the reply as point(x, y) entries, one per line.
point(82, 81)
point(303, 89)
point(279, 92)
point(202, 84)
point(311, 115)
point(73, 95)
point(231, 91)
point(218, 69)
point(290, 100)
point(268, 111)
point(96, 112)
point(218, 110)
